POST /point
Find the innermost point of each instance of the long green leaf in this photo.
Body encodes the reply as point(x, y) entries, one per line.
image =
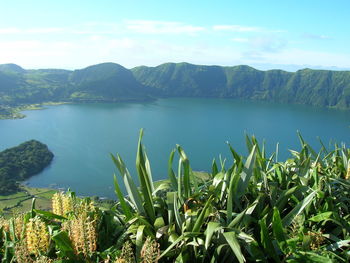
point(171, 173)
point(130, 186)
point(338, 245)
point(123, 204)
point(236, 248)
point(214, 168)
point(180, 181)
point(178, 217)
point(286, 194)
point(235, 155)
point(266, 240)
point(229, 205)
point(170, 204)
point(169, 248)
point(200, 220)
point(278, 230)
point(145, 178)
point(247, 172)
point(149, 172)
point(248, 142)
point(211, 228)
point(186, 171)
point(321, 216)
point(288, 219)
point(62, 241)
point(248, 211)
point(216, 256)
point(139, 241)
point(49, 215)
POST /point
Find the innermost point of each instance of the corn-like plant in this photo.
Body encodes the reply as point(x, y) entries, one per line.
point(247, 209)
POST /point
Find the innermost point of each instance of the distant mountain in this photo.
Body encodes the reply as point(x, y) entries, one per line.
point(11, 68)
point(312, 87)
point(106, 82)
point(110, 82)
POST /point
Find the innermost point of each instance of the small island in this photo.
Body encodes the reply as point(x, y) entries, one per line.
point(21, 162)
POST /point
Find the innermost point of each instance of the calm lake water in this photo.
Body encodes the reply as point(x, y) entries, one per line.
point(82, 136)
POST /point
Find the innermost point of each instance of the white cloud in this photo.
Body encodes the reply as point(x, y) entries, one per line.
point(44, 30)
point(161, 27)
point(315, 36)
point(310, 57)
point(21, 31)
point(10, 30)
point(74, 30)
point(240, 39)
point(142, 42)
point(268, 43)
point(245, 29)
point(236, 28)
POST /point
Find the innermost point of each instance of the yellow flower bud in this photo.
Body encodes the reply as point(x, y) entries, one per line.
point(37, 236)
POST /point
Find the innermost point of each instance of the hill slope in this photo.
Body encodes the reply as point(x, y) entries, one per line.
point(21, 162)
point(312, 87)
point(110, 82)
point(106, 82)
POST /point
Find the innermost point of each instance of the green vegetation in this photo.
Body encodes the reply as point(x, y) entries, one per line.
point(21, 162)
point(312, 87)
point(247, 209)
point(109, 82)
point(106, 82)
point(21, 201)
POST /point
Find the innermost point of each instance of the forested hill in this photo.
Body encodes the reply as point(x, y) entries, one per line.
point(111, 82)
point(103, 82)
point(21, 162)
point(312, 87)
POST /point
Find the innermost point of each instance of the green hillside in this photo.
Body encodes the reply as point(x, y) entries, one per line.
point(21, 162)
point(110, 82)
point(105, 82)
point(311, 87)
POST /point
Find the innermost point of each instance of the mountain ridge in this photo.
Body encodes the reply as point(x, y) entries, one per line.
point(111, 82)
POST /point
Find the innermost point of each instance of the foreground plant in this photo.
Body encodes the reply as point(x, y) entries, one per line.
point(247, 210)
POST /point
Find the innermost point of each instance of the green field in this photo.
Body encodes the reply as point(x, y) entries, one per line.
point(22, 201)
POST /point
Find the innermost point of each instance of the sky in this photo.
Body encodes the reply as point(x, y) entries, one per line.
point(265, 34)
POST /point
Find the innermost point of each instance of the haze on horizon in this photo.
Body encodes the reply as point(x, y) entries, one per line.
point(274, 34)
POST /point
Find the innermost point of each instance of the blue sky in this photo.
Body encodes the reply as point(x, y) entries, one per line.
point(265, 34)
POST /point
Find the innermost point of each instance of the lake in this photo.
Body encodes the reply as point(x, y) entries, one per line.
point(82, 136)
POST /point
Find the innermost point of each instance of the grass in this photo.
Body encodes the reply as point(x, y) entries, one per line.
point(20, 202)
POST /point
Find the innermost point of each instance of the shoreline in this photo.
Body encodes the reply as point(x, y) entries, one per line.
point(14, 113)
point(21, 201)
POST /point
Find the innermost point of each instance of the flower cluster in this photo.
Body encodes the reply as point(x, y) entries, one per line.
point(37, 236)
point(62, 204)
point(127, 254)
point(150, 251)
point(4, 224)
point(82, 228)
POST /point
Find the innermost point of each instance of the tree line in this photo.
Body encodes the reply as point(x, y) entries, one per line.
point(21, 162)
